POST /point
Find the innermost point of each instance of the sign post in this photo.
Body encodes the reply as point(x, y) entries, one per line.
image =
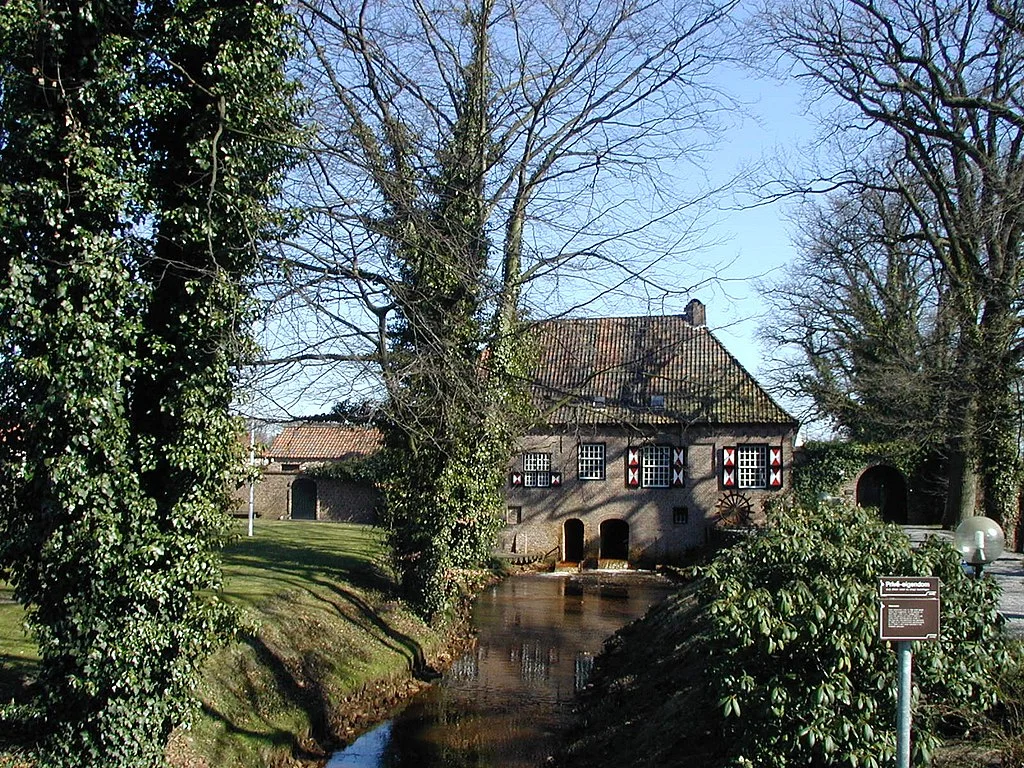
point(908, 611)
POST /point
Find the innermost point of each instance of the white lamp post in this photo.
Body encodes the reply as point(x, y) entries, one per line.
point(252, 482)
point(980, 541)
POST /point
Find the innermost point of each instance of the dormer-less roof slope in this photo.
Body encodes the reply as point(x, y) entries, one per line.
point(627, 360)
point(324, 441)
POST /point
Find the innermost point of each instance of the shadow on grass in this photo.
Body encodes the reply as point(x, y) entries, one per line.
point(298, 682)
point(298, 566)
point(397, 641)
point(297, 693)
point(290, 560)
point(17, 678)
point(19, 727)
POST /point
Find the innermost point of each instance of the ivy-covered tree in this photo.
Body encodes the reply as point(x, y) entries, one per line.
point(447, 428)
point(140, 144)
point(472, 150)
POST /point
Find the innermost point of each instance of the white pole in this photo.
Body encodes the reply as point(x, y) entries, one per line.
point(903, 709)
point(252, 481)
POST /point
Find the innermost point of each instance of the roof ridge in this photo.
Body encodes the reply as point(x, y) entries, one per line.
point(572, 318)
point(632, 358)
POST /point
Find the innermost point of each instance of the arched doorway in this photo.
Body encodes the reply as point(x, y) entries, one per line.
point(572, 541)
point(304, 499)
point(886, 489)
point(614, 540)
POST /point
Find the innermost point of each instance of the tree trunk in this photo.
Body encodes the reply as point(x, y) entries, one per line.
point(999, 462)
point(961, 449)
point(962, 487)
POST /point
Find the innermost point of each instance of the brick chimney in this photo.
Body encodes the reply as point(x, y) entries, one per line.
point(695, 314)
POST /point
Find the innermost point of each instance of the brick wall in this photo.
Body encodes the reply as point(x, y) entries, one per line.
point(658, 527)
point(334, 499)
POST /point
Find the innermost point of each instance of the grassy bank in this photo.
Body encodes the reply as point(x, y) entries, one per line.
point(326, 651)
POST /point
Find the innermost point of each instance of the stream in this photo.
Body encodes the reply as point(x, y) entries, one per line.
point(504, 703)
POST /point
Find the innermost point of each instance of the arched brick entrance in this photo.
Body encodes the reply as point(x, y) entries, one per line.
point(572, 541)
point(885, 488)
point(614, 540)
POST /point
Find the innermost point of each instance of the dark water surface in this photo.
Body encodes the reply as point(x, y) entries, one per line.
point(502, 704)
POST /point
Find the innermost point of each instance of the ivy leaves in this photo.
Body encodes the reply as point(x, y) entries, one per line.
point(139, 158)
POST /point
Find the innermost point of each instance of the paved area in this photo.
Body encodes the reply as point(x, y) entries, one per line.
point(1008, 570)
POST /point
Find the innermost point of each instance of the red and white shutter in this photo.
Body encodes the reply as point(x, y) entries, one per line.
point(632, 467)
point(775, 467)
point(678, 467)
point(729, 467)
point(517, 479)
point(556, 479)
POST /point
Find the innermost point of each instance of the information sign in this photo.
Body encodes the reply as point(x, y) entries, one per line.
point(908, 608)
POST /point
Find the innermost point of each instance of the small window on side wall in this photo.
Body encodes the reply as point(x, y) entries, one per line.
point(680, 515)
point(289, 467)
point(513, 515)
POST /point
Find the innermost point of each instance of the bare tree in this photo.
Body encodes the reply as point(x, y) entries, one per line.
point(469, 151)
point(587, 111)
point(860, 314)
point(938, 85)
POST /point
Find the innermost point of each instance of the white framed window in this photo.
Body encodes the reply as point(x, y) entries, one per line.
point(656, 466)
point(536, 470)
point(752, 466)
point(591, 465)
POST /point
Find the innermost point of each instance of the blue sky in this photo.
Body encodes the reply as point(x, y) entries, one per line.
point(746, 244)
point(753, 242)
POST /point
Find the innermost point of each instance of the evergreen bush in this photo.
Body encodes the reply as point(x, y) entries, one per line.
point(795, 663)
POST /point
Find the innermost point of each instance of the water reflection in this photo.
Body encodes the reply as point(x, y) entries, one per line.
point(502, 704)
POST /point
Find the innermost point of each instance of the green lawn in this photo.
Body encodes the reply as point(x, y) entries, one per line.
point(18, 656)
point(323, 639)
point(284, 555)
point(281, 556)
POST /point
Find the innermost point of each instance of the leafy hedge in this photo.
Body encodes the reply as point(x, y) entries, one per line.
point(364, 470)
point(825, 466)
point(794, 663)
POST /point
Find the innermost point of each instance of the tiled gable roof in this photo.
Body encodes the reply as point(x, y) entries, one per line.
point(324, 441)
point(626, 360)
